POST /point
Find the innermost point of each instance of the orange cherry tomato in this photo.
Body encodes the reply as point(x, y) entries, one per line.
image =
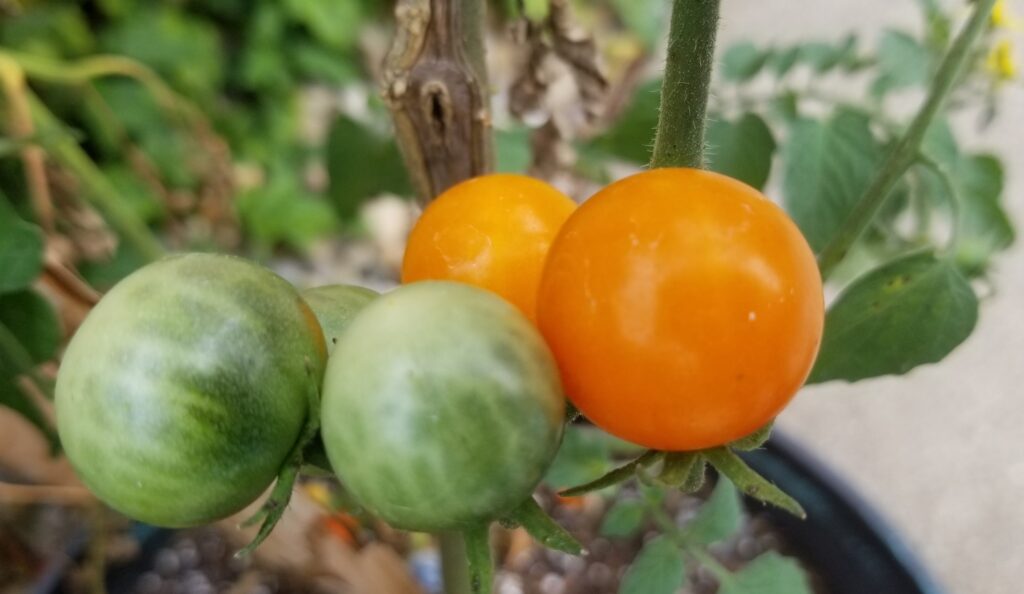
point(491, 231)
point(684, 308)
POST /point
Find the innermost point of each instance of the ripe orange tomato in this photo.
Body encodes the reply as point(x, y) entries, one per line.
point(491, 231)
point(684, 308)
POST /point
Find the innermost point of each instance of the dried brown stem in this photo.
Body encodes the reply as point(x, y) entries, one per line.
point(436, 88)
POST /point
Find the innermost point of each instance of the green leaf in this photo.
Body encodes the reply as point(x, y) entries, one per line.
point(646, 18)
point(658, 569)
point(282, 211)
point(743, 61)
point(48, 28)
point(984, 228)
point(624, 519)
point(828, 165)
point(906, 313)
point(21, 249)
point(512, 150)
point(333, 23)
point(15, 362)
point(782, 61)
point(614, 476)
point(184, 48)
point(902, 62)
point(820, 56)
point(32, 320)
point(585, 453)
point(939, 143)
point(361, 165)
point(749, 482)
point(320, 64)
point(768, 574)
point(742, 149)
point(630, 138)
point(138, 196)
point(719, 517)
point(543, 529)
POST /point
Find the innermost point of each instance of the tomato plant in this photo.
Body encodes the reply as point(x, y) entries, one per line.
point(491, 231)
point(184, 390)
point(442, 407)
point(684, 309)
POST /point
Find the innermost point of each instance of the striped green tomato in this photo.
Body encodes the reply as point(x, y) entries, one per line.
point(180, 396)
point(442, 407)
point(335, 306)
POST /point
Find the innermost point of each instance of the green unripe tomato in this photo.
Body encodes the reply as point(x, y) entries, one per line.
point(335, 306)
point(181, 394)
point(442, 407)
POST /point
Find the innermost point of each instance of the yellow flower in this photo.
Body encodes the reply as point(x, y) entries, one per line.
point(1001, 61)
point(1003, 17)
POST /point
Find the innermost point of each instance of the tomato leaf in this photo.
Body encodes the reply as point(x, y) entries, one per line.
point(15, 361)
point(909, 312)
point(361, 164)
point(984, 228)
point(624, 519)
point(658, 569)
point(683, 470)
point(719, 517)
point(742, 149)
point(614, 476)
point(768, 574)
point(541, 527)
point(750, 483)
point(33, 322)
point(742, 62)
point(902, 62)
point(828, 165)
point(21, 250)
point(630, 137)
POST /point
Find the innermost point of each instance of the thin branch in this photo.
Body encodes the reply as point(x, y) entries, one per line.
point(34, 159)
point(679, 141)
point(906, 151)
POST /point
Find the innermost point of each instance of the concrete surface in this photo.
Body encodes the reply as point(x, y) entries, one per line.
point(939, 452)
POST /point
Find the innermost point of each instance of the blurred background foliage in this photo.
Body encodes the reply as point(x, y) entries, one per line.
point(130, 127)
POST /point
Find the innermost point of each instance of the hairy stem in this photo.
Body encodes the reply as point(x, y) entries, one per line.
point(906, 151)
point(679, 140)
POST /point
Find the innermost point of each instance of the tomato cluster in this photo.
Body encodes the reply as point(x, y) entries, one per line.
point(681, 309)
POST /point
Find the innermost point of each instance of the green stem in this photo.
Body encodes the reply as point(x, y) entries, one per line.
point(453, 563)
point(906, 150)
point(98, 188)
point(679, 140)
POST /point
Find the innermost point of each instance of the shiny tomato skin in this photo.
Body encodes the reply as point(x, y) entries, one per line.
point(181, 395)
point(442, 407)
point(684, 308)
point(492, 232)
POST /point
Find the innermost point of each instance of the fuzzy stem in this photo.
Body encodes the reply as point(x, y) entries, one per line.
point(679, 140)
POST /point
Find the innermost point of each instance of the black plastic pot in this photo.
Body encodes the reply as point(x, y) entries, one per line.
point(843, 537)
point(853, 550)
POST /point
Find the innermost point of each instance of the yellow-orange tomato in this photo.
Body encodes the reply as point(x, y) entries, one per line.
point(493, 232)
point(684, 308)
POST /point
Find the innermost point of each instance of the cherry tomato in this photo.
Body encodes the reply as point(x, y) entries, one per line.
point(684, 308)
point(491, 231)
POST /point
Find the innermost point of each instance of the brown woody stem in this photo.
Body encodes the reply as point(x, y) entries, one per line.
point(435, 84)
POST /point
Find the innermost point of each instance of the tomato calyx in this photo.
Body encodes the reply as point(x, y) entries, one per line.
point(273, 508)
point(686, 471)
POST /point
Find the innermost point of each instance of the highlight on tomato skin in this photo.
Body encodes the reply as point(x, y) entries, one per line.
point(684, 308)
point(492, 232)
